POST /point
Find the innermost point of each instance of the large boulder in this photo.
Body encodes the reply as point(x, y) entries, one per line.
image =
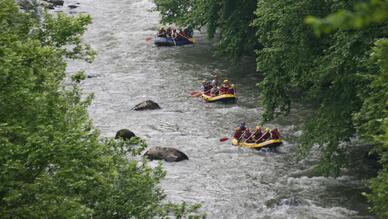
point(165, 153)
point(124, 134)
point(146, 105)
point(56, 2)
point(72, 6)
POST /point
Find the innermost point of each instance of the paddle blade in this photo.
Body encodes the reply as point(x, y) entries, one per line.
point(223, 139)
point(196, 94)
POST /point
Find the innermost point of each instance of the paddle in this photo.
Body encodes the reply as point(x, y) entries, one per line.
point(196, 94)
point(224, 139)
point(148, 38)
point(258, 140)
point(249, 137)
point(189, 39)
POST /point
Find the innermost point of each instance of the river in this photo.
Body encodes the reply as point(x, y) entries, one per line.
point(227, 181)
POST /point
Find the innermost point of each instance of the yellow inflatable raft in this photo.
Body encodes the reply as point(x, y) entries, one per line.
point(220, 98)
point(268, 143)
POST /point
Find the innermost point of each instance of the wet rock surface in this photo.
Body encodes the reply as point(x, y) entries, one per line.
point(124, 134)
point(146, 105)
point(165, 153)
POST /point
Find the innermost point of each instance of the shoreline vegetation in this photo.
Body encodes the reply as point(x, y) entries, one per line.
point(54, 164)
point(333, 54)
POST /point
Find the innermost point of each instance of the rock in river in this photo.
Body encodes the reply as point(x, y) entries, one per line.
point(165, 153)
point(56, 2)
point(146, 105)
point(72, 6)
point(125, 134)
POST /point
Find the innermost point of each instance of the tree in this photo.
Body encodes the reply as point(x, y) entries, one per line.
point(371, 119)
point(230, 18)
point(331, 68)
point(53, 163)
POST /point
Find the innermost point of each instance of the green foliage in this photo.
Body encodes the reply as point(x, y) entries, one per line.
point(230, 18)
point(371, 117)
point(372, 122)
point(364, 14)
point(374, 111)
point(288, 54)
point(53, 163)
point(379, 185)
point(329, 73)
point(330, 67)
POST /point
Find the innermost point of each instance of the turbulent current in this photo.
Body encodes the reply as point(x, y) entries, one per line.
point(229, 182)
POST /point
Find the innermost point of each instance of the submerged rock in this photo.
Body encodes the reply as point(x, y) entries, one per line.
point(146, 105)
point(72, 6)
point(56, 2)
point(93, 76)
point(124, 134)
point(165, 153)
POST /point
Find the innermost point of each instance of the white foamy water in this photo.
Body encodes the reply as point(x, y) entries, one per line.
point(227, 181)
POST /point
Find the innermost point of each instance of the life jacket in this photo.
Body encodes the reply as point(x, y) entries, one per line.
point(214, 83)
point(264, 137)
point(224, 89)
point(275, 134)
point(231, 91)
point(162, 33)
point(206, 88)
point(237, 133)
point(247, 134)
point(168, 32)
point(257, 134)
point(214, 91)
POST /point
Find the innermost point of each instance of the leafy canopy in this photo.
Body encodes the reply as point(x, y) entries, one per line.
point(338, 68)
point(371, 119)
point(53, 163)
point(228, 19)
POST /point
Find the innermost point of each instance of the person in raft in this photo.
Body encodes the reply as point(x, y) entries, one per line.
point(214, 81)
point(206, 87)
point(231, 90)
point(169, 32)
point(182, 35)
point(174, 34)
point(214, 91)
point(240, 132)
point(225, 87)
point(162, 32)
point(256, 137)
point(275, 134)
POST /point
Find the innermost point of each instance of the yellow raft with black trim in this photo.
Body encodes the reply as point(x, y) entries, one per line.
point(268, 143)
point(220, 98)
